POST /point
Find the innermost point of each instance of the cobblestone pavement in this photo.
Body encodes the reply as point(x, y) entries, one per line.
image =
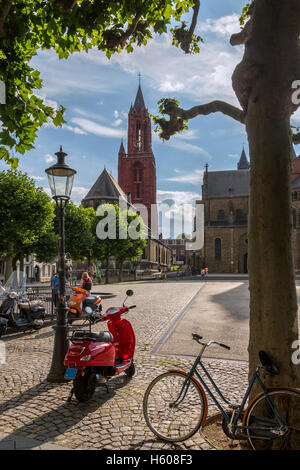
point(33, 408)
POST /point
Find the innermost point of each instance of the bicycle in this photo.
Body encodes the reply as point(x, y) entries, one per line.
point(175, 407)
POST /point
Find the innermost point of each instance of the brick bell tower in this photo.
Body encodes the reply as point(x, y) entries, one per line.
point(136, 168)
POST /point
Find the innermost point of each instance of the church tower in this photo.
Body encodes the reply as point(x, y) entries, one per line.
point(136, 168)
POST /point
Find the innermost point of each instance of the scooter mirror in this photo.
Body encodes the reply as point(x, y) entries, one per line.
point(129, 293)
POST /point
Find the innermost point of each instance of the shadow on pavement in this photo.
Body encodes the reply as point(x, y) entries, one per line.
point(50, 425)
point(234, 301)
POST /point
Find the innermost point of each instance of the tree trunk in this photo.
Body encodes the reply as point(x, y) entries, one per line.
point(22, 263)
point(8, 267)
point(270, 64)
point(273, 301)
point(121, 271)
point(106, 271)
point(14, 262)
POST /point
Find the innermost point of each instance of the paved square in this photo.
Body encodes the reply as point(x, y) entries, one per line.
point(32, 408)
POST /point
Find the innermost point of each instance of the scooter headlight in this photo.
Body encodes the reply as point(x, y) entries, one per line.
point(88, 310)
point(71, 303)
point(85, 358)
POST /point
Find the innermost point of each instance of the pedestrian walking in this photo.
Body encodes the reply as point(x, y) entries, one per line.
point(54, 286)
point(202, 273)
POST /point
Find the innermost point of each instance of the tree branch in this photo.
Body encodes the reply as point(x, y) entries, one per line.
point(242, 37)
point(183, 36)
point(178, 116)
point(65, 4)
point(113, 41)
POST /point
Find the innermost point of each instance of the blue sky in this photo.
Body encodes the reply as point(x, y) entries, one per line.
point(97, 93)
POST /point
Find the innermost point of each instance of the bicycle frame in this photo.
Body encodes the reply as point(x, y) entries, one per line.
point(239, 408)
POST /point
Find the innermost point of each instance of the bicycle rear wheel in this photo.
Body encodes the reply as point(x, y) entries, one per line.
point(268, 435)
point(173, 411)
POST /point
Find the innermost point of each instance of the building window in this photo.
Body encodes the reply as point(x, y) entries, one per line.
point(218, 249)
point(221, 215)
point(138, 136)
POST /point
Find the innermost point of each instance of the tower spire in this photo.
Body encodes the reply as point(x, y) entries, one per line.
point(139, 103)
point(243, 163)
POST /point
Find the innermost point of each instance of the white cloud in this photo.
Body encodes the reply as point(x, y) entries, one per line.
point(78, 193)
point(49, 158)
point(76, 130)
point(196, 177)
point(179, 206)
point(198, 77)
point(97, 129)
point(117, 122)
point(224, 26)
point(170, 85)
point(88, 114)
point(179, 197)
point(187, 147)
point(38, 178)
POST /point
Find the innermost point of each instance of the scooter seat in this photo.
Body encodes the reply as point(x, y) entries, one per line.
point(101, 337)
point(91, 299)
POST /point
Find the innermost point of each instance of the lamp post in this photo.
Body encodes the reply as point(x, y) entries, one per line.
point(61, 178)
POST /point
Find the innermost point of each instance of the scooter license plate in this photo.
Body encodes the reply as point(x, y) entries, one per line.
point(70, 373)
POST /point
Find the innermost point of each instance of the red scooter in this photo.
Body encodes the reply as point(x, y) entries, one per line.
point(93, 358)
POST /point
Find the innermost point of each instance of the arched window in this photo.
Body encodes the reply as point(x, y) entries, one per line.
point(218, 249)
point(138, 136)
point(138, 178)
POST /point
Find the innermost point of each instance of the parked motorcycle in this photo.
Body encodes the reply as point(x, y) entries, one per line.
point(79, 305)
point(31, 313)
point(93, 358)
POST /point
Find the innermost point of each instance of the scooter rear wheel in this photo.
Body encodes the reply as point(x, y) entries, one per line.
point(84, 387)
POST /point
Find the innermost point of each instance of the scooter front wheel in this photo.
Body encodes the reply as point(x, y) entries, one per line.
point(84, 386)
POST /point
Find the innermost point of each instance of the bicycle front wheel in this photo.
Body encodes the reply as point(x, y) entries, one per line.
point(265, 431)
point(174, 407)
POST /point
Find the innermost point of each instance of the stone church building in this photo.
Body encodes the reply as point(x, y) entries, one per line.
point(136, 185)
point(225, 195)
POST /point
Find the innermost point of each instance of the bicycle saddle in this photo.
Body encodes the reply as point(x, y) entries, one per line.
point(267, 363)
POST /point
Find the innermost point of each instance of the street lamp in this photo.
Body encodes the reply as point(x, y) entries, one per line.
point(61, 178)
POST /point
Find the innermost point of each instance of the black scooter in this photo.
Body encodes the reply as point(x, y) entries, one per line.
point(31, 316)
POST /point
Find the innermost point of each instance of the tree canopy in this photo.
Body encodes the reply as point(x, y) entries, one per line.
point(67, 26)
point(120, 234)
point(26, 213)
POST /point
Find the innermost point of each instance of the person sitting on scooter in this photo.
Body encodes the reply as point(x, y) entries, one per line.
point(86, 283)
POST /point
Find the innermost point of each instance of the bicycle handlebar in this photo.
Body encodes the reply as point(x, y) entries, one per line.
point(198, 337)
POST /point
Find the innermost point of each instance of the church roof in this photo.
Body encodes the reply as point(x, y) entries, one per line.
point(139, 100)
point(105, 187)
point(230, 183)
point(243, 163)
